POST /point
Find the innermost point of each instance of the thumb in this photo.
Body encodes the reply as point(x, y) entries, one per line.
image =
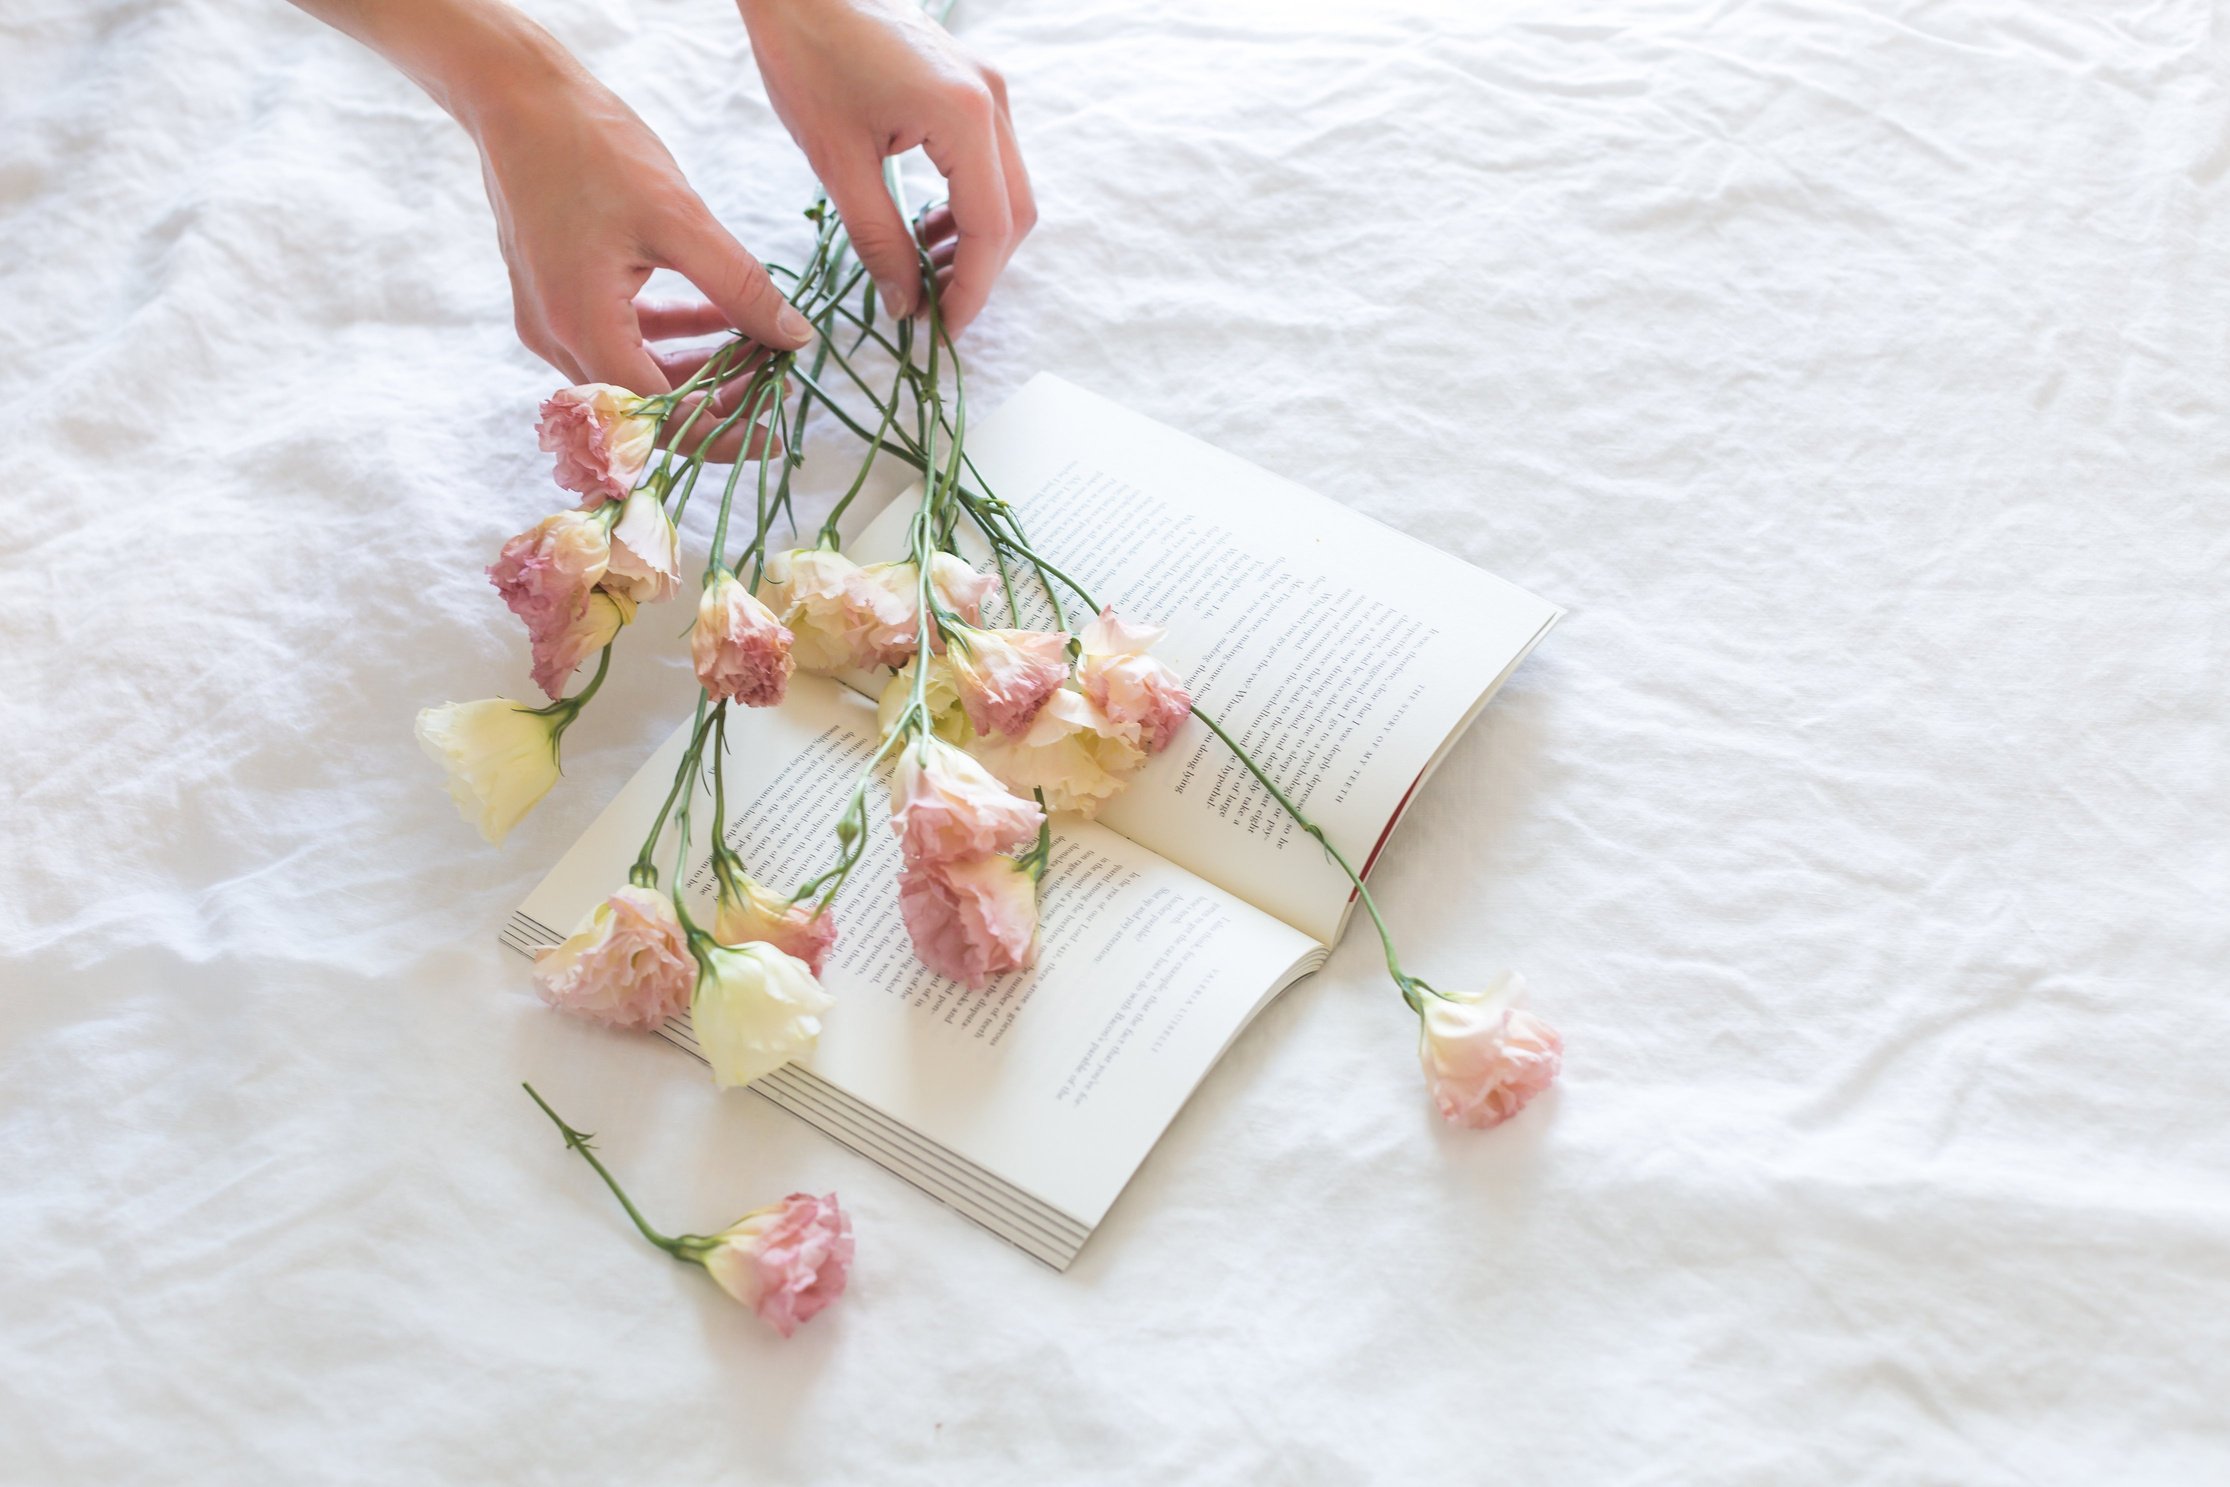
point(708, 256)
point(879, 236)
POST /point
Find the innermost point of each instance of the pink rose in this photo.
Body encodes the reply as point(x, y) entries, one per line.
point(627, 963)
point(945, 806)
point(1142, 698)
point(1005, 676)
point(646, 552)
point(1484, 1058)
point(752, 913)
point(971, 920)
point(546, 574)
point(742, 651)
point(601, 437)
point(786, 1261)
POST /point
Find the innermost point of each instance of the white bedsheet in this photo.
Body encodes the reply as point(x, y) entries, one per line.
point(1856, 373)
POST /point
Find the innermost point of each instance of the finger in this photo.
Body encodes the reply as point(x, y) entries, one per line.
point(681, 364)
point(854, 180)
point(708, 256)
point(941, 256)
point(1022, 202)
point(526, 322)
point(966, 153)
point(608, 343)
point(936, 226)
point(671, 319)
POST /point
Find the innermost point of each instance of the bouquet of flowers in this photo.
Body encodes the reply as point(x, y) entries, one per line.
point(987, 731)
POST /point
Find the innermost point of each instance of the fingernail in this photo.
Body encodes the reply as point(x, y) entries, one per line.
point(892, 294)
point(793, 326)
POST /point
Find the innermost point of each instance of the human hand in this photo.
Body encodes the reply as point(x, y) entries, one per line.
point(855, 81)
point(587, 203)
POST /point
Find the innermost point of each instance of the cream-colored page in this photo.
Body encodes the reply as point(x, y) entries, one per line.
point(1342, 654)
point(1059, 1079)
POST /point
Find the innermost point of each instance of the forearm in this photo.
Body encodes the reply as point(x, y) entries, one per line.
point(469, 55)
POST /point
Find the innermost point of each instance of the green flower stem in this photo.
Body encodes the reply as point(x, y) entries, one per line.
point(643, 874)
point(684, 779)
point(579, 1141)
point(563, 711)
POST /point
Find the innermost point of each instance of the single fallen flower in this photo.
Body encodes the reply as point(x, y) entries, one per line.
point(787, 1261)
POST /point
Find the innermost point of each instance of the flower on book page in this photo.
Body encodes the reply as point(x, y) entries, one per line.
point(1143, 699)
point(748, 912)
point(786, 1261)
point(754, 1010)
point(971, 920)
point(646, 552)
point(1073, 752)
point(945, 806)
point(940, 696)
point(601, 436)
point(741, 650)
point(546, 575)
point(1005, 676)
point(1484, 1056)
point(627, 963)
point(959, 590)
point(500, 755)
point(838, 616)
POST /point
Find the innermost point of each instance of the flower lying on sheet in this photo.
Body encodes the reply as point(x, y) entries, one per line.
point(786, 1261)
point(501, 758)
point(559, 653)
point(546, 575)
point(602, 436)
point(1485, 1057)
point(627, 964)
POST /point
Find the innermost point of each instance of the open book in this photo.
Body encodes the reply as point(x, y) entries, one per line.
point(1345, 656)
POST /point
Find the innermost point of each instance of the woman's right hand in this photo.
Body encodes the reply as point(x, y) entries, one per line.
point(587, 203)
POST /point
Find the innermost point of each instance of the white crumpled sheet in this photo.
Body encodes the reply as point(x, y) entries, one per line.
point(1857, 374)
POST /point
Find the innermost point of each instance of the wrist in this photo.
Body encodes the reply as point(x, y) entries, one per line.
point(494, 63)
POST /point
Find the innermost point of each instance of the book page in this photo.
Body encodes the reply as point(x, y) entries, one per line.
point(1057, 1080)
point(1345, 656)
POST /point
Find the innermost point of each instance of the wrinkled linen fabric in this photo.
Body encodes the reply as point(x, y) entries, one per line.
point(1856, 374)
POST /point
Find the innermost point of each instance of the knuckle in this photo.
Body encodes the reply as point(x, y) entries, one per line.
point(972, 102)
point(996, 82)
